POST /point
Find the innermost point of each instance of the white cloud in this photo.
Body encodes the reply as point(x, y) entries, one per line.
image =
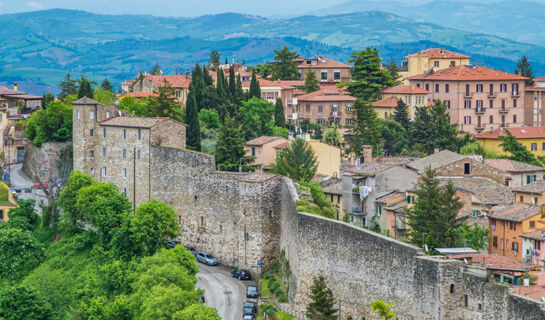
point(34, 5)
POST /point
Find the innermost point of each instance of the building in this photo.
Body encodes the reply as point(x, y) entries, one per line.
point(323, 107)
point(518, 173)
point(432, 59)
point(534, 103)
point(150, 83)
point(477, 98)
point(327, 71)
point(531, 193)
point(7, 202)
point(263, 149)
point(507, 223)
point(334, 193)
point(272, 90)
point(385, 108)
point(533, 246)
point(12, 98)
point(412, 96)
point(113, 147)
point(390, 208)
point(533, 138)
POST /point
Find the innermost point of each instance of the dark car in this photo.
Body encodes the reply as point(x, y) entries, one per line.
point(251, 292)
point(241, 274)
point(172, 244)
point(250, 304)
point(192, 250)
point(207, 258)
point(248, 312)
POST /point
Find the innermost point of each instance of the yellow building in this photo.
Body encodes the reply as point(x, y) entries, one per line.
point(412, 96)
point(328, 157)
point(6, 202)
point(533, 138)
point(431, 59)
point(334, 193)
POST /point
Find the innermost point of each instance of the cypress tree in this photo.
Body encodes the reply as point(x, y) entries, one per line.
point(279, 120)
point(193, 134)
point(421, 132)
point(207, 78)
point(198, 84)
point(232, 83)
point(311, 83)
point(239, 96)
point(219, 85)
point(230, 148)
point(525, 69)
point(85, 88)
point(401, 115)
point(365, 128)
point(255, 90)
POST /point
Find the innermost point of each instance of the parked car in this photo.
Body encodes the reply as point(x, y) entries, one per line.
point(172, 244)
point(251, 292)
point(250, 304)
point(192, 250)
point(207, 258)
point(248, 312)
point(37, 185)
point(241, 274)
point(248, 318)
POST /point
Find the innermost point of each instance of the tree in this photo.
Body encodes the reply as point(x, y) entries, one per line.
point(164, 103)
point(279, 120)
point(284, 66)
point(232, 83)
point(525, 69)
point(401, 115)
point(473, 236)
point(21, 302)
point(311, 83)
point(393, 70)
point(517, 151)
point(84, 88)
point(197, 312)
point(473, 148)
point(134, 106)
point(153, 223)
point(395, 137)
point(422, 130)
point(367, 76)
point(365, 128)
point(107, 85)
point(445, 134)
point(47, 99)
point(434, 216)
point(193, 134)
point(105, 97)
point(209, 119)
point(214, 60)
point(332, 135)
point(382, 309)
point(297, 161)
point(20, 252)
point(24, 211)
point(51, 124)
point(68, 86)
point(321, 205)
point(156, 70)
point(230, 148)
point(322, 305)
point(68, 199)
point(257, 118)
point(220, 89)
point(255, 90)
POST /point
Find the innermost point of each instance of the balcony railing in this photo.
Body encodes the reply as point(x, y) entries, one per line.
point(335, 114)
point(504, 110)
point(479, 127)
point(503, 125)
point(515, 94)
point(468, 95)
point(492, 95)
point(479, 110)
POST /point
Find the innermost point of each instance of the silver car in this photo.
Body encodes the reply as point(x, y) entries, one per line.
point(207, 258)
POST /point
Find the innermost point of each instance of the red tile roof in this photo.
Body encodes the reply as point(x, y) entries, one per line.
point(539, 79)
point(468, 73)
point(176, 81)
point(259, 141)
point(282, 145)
point(390, 102)
point(405, 90)
point(438, 53)
point(328, 94)
point(495, 261)
point(141, 94)
point(127, 83)
point(518, 132)
point(517, 212)
point(322, 63)
point(263, 83)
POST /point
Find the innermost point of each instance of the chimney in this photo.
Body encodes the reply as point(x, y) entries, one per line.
point(15, 86)
point(187, 74)
point(436, 150)
point(367, 154)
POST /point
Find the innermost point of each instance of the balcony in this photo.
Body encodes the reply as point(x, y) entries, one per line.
point(479, 127)
point(515, 94)
point(335, 115)
point(492, 95)
point(503, 125)
point(479, 110)
point(504, 110)
point(468, 95)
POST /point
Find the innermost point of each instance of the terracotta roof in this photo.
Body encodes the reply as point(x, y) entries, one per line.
point(534, 187)
point(487, 191)
point(127, 82)
point(512, 165)
point(390, 196)
point(436, 160)
point(8, 91)
point(495, 261)
point(368, 168)
point(405, 90)
point(85, 100)
point(539, 79)
point(321, 63)
point(282, 145)
point(263, 83)
point(134, 122)
point(175, 81)
point(535, 235)
point(262, 140)
point(515, 212)
point(518, 132)
point(141, 94)
point(439, 53)
point(390, 102)
point(398, 207)
point(293, 83)
point(335, 188)
point(328, 94)
point(468, 73)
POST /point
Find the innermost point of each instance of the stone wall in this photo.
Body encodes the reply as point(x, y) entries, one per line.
point(477, 169)
point(41, 163)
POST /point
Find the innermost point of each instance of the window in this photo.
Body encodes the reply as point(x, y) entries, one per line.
point(103, 171)
point(543, 146)
point(521, 199)
point(491, 104)
point(447, 89)
point(466, 300)
point(495, 241)
point(336, 76)
point(515, 88)
point(467, 168)
point(467, 120)
point(92, 132)
point(104, 132)
point(436, 88)
point(124, 191)
point(453, 63)
point(436, 64)
point(124, 154)
point(124, 172)
point(491, 119)
point(320, 109)
point(480, 104)
point(78, 115)
point(124, 133)
point(320, 121)
point(308, 107)
point(467, 104)
point(418, 85)
point(503, 104)
point(467, 89)
point(452, 289)
point(503, 87)
point(514, 103)
point(107, 114)
point(533, 146)
point(92, 171)
point(532, 224)
point(324, 75)
point(515, 247)
point(104, 152)
point(202, 221)
point(502, 120)
point(331, 197)
point(515, 120)
point(1, 214)
point(348, 122)
point(427, 87)
point(92, 115)
point(138, 155)
point(479, 88)
point(447, 104)
point(491, 89)
point(349, 109)
point(139, 134)
point(253, 152)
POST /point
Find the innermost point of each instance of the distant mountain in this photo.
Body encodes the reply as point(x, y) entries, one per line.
point(518, 20)
point(40, 47)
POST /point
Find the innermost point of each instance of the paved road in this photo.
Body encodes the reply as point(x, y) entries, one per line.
point(19, 180)
point(222, 291)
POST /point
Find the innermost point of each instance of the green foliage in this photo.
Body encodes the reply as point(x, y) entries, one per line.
point(53, 124)
point(367, 76)
point(281, 132)
point(137, 107)
point(214, 60)
point(68, 86)
point(311, 82)
point(20, 252)
point(395, 137)
point(525, 69)
point(297, 161)
point(103, 96)
point(332, 135)
point(322, 305)
point(476, 148)
point(209, 119)
point(401, 115)
point(393, 70)
point(320, 205)
point(153, 223)
point(473, 236)
point(434, 216)
point(22, 303)
point(24, 211)
point(382, 309)
point(258, 118)
point(107, 85)
point(4, 192)
point(193, 132)
point(84, 88)
point(197, 312)
point(47, 99)
point(164, 103)
point(279, 120)
point(68, 199)
point(365, 129)
point(230, 148)
point(255, 90)
point(284, 65)
point(517, 151)
point(156, 70)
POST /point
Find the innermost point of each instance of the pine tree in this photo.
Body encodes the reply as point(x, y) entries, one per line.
point(107, 85)
point(68, 86)
point(525, 69)
point(85, 88)
point(322, 305)
point(193, 134)
point(367, 76)
point(421, 131)
point(393, 70)
point(156, 70)
point(255, 90)
point(226, 61)
point(230, 148)
point(434, 216)
point(365, 128)
point(279, 120)
point(214, 60)
point(284, 67)
point(311, 83)
point(164, 103)
point(516, 150)
point(296, 162)
point(401, 115)
point(232, 83)
point(445, 134)
point(47, 99)
point(395, 137)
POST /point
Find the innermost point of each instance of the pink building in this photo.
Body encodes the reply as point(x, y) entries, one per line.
point(323, 107)
point(477, 98)
point(328, 72)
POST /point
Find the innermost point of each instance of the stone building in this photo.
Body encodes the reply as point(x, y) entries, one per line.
point(323, 107)
point(327, 71)
point(150, 83)
point(432, 59)
point(534, 103)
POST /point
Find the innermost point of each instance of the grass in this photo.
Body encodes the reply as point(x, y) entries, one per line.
point(4, 193)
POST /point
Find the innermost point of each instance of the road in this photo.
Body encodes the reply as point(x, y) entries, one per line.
point(19, 180)
point(221, 291)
